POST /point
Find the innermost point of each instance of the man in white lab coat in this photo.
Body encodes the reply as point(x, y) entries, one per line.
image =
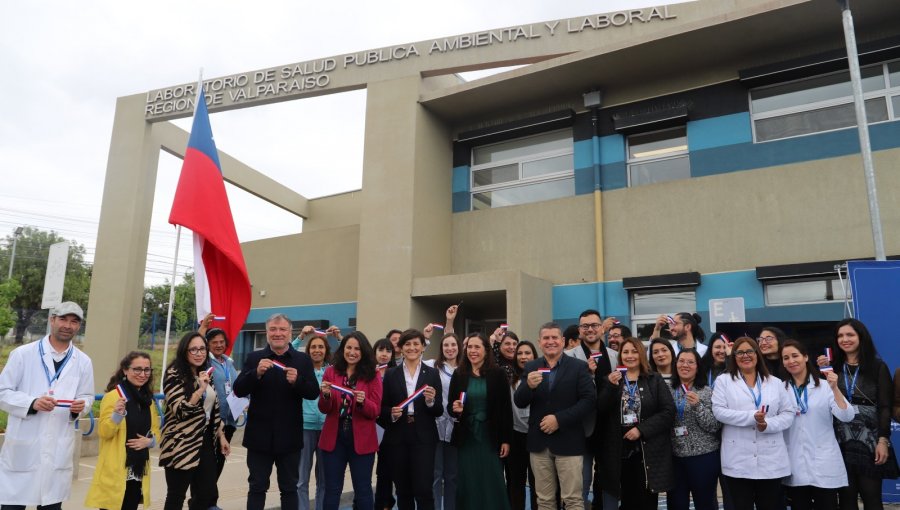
point(45, 386)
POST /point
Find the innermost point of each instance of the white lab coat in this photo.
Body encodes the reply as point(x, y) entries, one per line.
point(36, 459)
point(746, 452)
point(815, 456)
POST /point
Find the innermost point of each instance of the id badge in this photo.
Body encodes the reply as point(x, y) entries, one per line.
point(680, 431)
point(629, 419)
point(227, 388)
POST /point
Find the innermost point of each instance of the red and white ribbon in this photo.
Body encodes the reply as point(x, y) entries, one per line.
point(381, 366)
point(319, 332)
point(622, 368)
point(121, 391)
point(219, 318)
point(544, 371)
point(764, 408)
point(504, 326)
point(209, 371)
point(596, 355)
point(412, 397)
point(828, 353)
point(827, 369)
point(462, 397)
point(684, 388)
point(436, 326)
point(64, 403)
point(670, 319)
point(342, 389)
point(279, 364)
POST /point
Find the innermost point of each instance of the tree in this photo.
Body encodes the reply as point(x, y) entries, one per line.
point(156, 299)
point(29, 270)
point(8, 291)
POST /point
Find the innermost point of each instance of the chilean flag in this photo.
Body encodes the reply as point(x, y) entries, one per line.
point(221, 281)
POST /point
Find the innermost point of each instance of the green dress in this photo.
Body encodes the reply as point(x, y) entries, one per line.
point(481, 483)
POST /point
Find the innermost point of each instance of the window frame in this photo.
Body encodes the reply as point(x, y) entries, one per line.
point(832, 282)
point(681, 154)
point(638, 320)
point(520, 163)
point(887, 93)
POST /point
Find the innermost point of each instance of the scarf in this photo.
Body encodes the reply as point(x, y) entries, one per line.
point(137, 421)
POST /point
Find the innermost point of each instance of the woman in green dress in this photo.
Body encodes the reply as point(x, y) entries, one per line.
point(480, 401)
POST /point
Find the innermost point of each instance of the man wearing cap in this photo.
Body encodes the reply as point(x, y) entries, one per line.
point(45, 386)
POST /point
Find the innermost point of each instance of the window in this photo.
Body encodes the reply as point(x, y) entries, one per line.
point(259, 340)
point(824, 103)
point(805, 291)
point(647, 305)
point(523, 170)
point(658, 157)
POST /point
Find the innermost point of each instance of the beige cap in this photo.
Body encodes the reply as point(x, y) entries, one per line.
point(67, 308)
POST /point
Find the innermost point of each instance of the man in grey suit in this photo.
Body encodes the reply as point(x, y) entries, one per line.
point(561, 394)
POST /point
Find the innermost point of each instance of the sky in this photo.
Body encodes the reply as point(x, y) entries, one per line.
point(65, 64)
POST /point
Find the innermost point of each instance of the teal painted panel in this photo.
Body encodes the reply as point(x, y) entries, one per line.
point(719, 131)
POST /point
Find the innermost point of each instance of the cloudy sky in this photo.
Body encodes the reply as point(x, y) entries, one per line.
point(65, 63)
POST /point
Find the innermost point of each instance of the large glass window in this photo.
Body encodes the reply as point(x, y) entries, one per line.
point(805, 291)
point(658, 156)
point(523, 170)
point(823, 103)
point(647, 305)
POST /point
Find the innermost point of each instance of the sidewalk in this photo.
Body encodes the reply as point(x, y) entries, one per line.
point(232, 483)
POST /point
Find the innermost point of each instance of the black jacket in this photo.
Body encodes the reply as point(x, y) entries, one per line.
point(657, 416)
point(499, 408)
point(572, 399)
point(275, 416)
point(394, 392)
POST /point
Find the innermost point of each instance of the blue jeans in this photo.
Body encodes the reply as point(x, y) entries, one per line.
point(695, 478)
point(360, 472)
point(310, 449)
point(446, 465)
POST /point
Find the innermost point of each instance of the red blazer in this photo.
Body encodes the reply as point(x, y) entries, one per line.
point(365, 439)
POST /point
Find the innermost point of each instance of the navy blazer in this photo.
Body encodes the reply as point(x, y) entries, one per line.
point(572, 399)
point(394, 392)
point(275, 416)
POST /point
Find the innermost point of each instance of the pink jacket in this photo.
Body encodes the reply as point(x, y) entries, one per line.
point(365, 439)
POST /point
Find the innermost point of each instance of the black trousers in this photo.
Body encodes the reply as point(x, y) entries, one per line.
point(259, 464)
point(384, 485)
point(869, 489)
point(413, 471)
point(220, 459)
point(201, 479)
point(635, 496)
point(745, 493)
point(518, 471)
point(807, 497)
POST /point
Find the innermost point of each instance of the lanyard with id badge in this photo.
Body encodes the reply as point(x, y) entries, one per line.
point(850, 384)
point(680, 404)
point(629, 413)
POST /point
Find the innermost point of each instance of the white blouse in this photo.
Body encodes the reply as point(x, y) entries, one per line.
point(746, 452)
point(813, 450)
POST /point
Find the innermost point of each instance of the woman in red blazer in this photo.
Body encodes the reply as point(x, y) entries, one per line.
point(351, 400)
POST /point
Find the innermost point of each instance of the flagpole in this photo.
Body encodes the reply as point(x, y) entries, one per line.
point(171, 305)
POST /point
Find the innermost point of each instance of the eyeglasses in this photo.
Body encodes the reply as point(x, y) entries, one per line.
point(744, 354)
point(197, 350)
point(686, 362)
point(139, 370)
point(766, 339)
point(614, 335)
point(585, 327)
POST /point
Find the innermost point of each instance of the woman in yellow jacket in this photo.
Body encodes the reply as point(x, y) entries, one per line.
point(128, 428)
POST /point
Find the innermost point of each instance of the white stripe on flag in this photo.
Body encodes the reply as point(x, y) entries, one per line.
point(201, 282)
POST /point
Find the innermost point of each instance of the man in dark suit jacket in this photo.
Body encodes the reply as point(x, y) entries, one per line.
point(411, 434)
point(561, 394)
point(276, 379)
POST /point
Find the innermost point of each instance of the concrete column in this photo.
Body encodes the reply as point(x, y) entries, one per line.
point(405, 222)
point(117, 284)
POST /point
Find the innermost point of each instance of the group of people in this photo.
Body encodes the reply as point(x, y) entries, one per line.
point(593, 410)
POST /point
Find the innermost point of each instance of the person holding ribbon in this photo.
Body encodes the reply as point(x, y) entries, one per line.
point(503, 347)
point(817, 469)
point(43, 403)
point(411, 403)
point(865, 441)
point(754, 411)
point(481, 403)
point(351, 401)
point(384, 487)
point(445, 455)
point(223, 377)
point(319, 352)
point(128, 427)
point(637, 453)
point(518, 467)
point(695, 437)
point(193, 427)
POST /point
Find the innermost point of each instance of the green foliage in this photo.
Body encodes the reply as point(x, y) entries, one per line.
point(32, 249)
point(156, 299)
point(8, 292)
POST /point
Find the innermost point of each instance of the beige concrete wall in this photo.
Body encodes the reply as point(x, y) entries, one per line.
point(403, 230)
point(304, 269)
point(804, 212)
point(333, 211)
point(552, 240)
